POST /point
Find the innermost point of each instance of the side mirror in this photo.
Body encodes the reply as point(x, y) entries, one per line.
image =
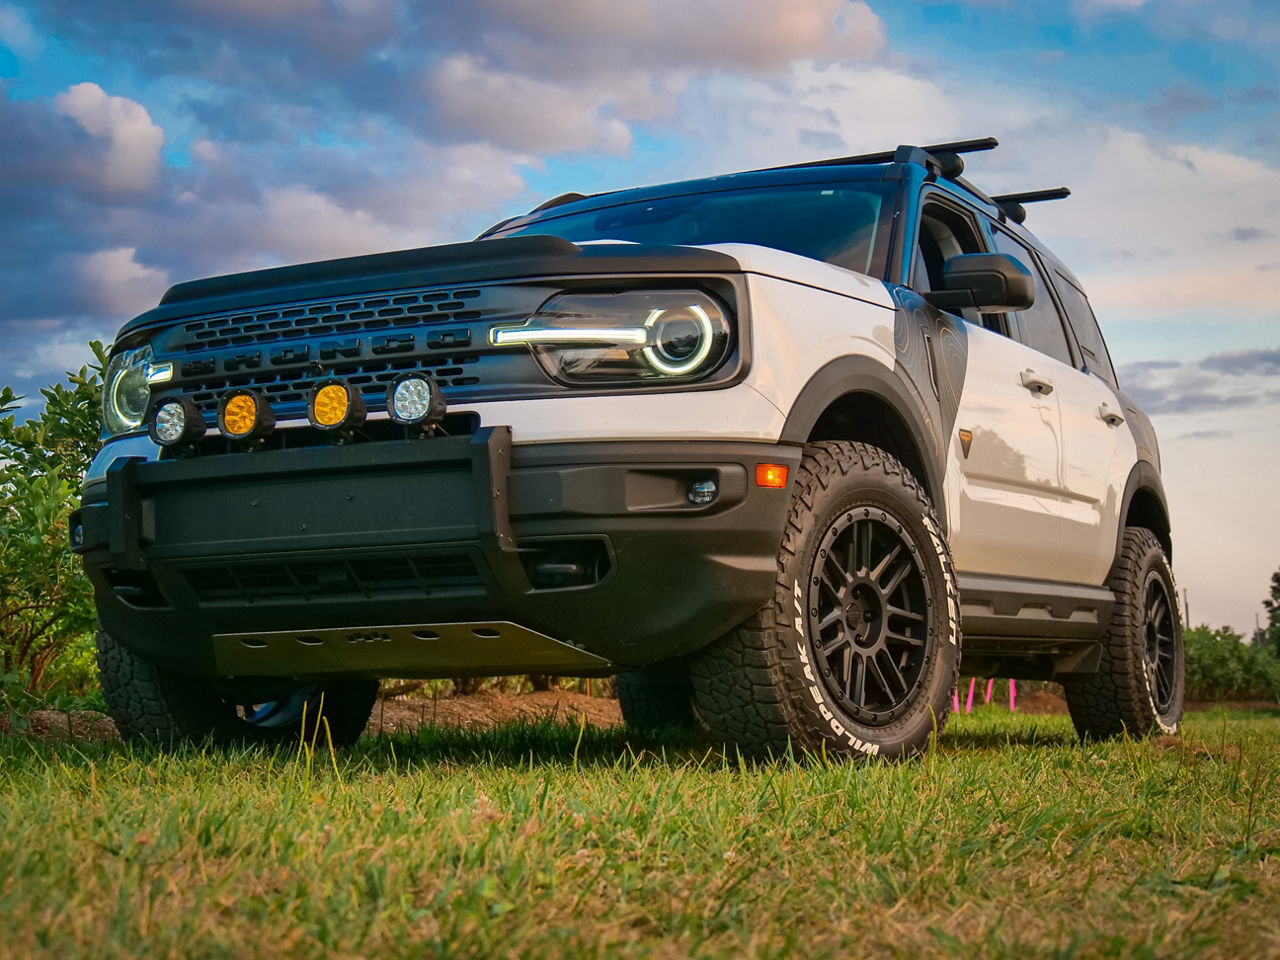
point(991, 282)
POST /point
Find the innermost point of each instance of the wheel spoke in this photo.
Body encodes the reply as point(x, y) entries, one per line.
point(899, 575)
point(892, 636)
point(895, 674)
point(836, 589)
point(863, 531)
point(892, 612)
point(883, 565)
point(858, 692)
point(835, 615)
point(1157, 611)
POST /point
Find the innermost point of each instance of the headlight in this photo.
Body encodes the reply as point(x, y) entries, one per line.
point(126, 388)
point(671, 335)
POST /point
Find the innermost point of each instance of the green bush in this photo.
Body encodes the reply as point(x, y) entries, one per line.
point(46, 602)
point(1220, 666)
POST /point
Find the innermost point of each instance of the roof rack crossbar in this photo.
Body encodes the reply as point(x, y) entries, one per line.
point(888, 156)
point(1011, 204)
point(1034, 196)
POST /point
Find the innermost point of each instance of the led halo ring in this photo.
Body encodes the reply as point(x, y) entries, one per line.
point(235, 406)
point(175, 420)
point(414, 399)
point(664, 364)
point(335, 405)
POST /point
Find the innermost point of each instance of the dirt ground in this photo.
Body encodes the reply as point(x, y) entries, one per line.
point(489, 708)
point(485, 709)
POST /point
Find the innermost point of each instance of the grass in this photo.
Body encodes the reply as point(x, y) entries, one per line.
point(545, 840)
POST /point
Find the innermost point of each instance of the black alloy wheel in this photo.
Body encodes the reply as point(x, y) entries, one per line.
point(868, 604)
point(1161, 642)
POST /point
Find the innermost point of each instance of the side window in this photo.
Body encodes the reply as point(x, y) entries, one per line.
point(945, 232)
point(1039, 327)
point(1088, 336)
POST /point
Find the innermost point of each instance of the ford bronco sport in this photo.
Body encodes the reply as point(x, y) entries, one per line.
point(763, 445)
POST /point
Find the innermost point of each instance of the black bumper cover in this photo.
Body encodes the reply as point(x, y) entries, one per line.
point(593, 544)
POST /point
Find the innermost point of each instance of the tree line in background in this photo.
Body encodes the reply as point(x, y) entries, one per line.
point(46, 603)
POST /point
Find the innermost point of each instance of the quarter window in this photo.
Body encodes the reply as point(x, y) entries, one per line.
point(1085, 325)
point(1039, 326)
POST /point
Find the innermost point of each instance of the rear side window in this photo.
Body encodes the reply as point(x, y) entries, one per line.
point(1039, 327)
point(1088, 336)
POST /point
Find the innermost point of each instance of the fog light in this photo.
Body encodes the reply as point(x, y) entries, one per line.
point(335, 405)
point(415, 399)
point(702, 492)
point(176, 420)
point(771, 475)
point(243, 415)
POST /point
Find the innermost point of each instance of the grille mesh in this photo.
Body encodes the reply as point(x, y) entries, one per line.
point(381, 312)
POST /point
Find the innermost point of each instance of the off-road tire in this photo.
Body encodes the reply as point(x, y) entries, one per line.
point(656, 698)
point(762, 688)
point(160, 706)
point(1125, 696)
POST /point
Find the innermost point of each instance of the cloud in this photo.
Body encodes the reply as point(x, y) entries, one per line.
point(120, 284)
point(523, 112)
point(16, 32)
point(132, 159)
point(1222, 381)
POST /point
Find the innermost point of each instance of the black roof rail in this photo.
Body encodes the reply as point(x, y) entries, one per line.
point(1012, 203)
point(569, 197)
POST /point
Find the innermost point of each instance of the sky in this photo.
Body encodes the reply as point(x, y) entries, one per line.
point(145, 142)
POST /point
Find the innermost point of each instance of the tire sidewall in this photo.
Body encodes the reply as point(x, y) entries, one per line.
point(834, 727)
point(1154, 563)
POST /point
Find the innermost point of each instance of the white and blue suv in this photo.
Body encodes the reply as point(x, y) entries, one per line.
point(774, 447)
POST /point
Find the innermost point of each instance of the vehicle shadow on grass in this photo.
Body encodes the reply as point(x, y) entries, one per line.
point(541, 743)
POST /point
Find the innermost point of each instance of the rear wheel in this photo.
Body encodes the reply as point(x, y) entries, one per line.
point(1139, 686)
point(659, 697)
point(160, 706)
point(858, 651)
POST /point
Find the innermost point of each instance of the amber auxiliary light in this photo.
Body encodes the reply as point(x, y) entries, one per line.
point(244, 415)
point(335, 405)
point(772, 475)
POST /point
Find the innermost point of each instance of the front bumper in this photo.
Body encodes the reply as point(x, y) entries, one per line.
point(431, 557)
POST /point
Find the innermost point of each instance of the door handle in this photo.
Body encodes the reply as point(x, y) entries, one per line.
point(1109, 416)
point(1036, 383)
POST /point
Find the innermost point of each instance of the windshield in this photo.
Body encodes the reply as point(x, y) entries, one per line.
point(838, 223)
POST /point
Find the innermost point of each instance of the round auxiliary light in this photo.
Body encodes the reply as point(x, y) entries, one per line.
point(680, 339)
point(176, 420)
point(335, 405)
point(415, 399)
point(243, 415)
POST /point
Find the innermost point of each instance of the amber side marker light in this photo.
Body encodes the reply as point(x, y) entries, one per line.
point(243, 415)
point(335, 405)
point(771, 475)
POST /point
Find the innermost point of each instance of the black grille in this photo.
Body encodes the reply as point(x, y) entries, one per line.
point(357, 578)
point(381, 312)
point(288, 390)
point(282, 351)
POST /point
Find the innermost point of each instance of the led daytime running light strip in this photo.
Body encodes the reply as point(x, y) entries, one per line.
point(587, 336)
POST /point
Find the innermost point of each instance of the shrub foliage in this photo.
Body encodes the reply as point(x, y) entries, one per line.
point(45, 599)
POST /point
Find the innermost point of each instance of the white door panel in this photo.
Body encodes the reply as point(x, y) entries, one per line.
point(1003, 498)
point(1098, 451)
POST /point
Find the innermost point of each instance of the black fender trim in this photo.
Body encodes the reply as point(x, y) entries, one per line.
point(1143, 477)
point(861, 374)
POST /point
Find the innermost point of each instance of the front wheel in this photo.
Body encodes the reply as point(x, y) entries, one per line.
point(859, 649)
point(1140, 683)
point(160, 706)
